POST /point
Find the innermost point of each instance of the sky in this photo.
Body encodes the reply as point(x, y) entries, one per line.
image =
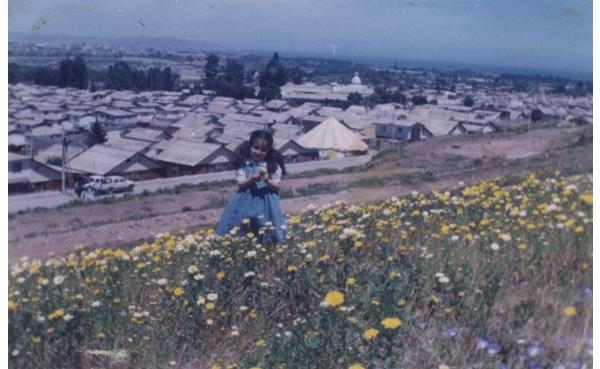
point(538, 34)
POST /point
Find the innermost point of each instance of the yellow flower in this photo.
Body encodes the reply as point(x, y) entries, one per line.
point(570, 311)
point(260, 343)
point(141, 265)
point(356, 366)
point(350, 281)
point(221, 275)
point(178, 291)
point(12, 306)
point(209, 306)
point(578, 229)
point(56, 314)
point(522, 246)
point(370, 333)
point(445, 229)
point(401, 302)
point(587, 198)
point(334, 298)
point(292, 268)
point(391, 323)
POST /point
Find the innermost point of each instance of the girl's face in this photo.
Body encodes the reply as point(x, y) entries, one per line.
point(259, 149)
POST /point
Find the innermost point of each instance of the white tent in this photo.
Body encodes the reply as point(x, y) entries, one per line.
point(332, 135)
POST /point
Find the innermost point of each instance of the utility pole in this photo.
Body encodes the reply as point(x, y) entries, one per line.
point(394, 130)
point(64, 159)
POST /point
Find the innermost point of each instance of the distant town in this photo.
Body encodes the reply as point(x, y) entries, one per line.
point(76, 110)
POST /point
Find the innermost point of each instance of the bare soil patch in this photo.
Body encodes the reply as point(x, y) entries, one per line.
point(438, 163)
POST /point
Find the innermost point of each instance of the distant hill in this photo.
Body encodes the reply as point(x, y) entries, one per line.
point(159, 43)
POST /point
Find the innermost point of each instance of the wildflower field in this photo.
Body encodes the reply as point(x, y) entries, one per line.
point(495, 275)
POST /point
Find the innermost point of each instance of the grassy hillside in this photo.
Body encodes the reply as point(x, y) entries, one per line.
point(496, 275)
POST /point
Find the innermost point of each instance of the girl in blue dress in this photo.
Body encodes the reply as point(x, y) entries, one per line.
point(256, 204)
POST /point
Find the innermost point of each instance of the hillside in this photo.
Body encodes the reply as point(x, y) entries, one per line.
point(497, 274)
point(440, 163)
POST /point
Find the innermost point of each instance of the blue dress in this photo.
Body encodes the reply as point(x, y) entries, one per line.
point(257, 203)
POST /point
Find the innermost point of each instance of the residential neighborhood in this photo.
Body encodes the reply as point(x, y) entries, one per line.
point(164, 134)
point(159, 134)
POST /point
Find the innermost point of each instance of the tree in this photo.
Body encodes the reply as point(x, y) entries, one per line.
point(120, 76)
point(45, 76)
point(73, 73)
point(271, 78)
point(468, 101)
point(536, 115)
point(82, 73)
point(234, 73)
point(96, 135)
point(419, 100)
point(12, 77)
point(211, 70)
point(354, 98)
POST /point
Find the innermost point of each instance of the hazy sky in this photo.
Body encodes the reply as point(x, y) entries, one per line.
point(547, 34)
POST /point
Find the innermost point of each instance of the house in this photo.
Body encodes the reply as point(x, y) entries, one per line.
point(26, 175)
point(230, 140)
point(143, 114)
point(248, 105)
point(219, 108)
point(26, 125)
point(288, 131)
point(270, 117)
point(194, 101)
point(43, 136)
point(402, 130)
point(183, 157)
point(440, 127)
point(117, 141)
point(115, 117)
point(146, 134)
point(105, 160)
point(303, 110)
point(18, 143)
point(170, 113)
point(480, 128)
point(277, 105)
point(292, 152)
point(311, 121)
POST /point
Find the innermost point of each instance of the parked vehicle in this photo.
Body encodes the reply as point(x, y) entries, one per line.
point(96, 185)
point(119, 184)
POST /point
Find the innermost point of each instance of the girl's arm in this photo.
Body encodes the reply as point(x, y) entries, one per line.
point(274, 180)
point(243, 184)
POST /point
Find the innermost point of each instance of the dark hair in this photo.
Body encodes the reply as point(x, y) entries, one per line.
point(273, 158)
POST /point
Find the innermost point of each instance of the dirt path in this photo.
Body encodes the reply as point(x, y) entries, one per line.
point(448, 160)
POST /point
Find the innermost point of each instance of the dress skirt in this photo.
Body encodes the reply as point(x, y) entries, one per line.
point(260, 205)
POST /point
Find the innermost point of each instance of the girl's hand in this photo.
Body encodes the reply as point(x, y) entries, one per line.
point(264, 176)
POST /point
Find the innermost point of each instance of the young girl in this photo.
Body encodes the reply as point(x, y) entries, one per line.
point(259, 168)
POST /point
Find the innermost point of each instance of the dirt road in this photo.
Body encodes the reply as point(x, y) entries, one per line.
point(438, 163)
